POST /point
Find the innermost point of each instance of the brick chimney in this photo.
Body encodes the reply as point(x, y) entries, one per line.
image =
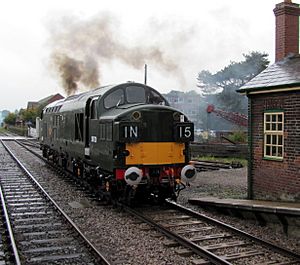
point(287, 29)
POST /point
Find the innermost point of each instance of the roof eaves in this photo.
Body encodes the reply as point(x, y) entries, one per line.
point(286, 87)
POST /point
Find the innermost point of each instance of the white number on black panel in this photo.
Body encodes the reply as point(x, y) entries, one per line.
point(185, 132)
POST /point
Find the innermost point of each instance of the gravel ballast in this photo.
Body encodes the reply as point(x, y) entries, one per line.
point(122, 239)
point(232, 184)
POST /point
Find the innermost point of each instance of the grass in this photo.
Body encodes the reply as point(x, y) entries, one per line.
point(244, 162)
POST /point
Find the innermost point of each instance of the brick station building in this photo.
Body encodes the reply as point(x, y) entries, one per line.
point(274, 116)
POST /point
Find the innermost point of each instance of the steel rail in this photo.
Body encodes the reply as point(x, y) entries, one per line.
point(9, 229)
point(267, 244)
point(103, 259)
point(181, 240)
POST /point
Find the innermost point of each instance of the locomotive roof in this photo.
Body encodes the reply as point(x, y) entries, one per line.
point(82, 96)
point(78, 101)
point(85, 95)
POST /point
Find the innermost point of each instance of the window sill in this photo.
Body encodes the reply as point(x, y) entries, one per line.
point(273, 159)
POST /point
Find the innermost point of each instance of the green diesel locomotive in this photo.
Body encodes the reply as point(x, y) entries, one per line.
point(124, 140)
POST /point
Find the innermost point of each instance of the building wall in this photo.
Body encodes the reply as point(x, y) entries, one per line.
point(275, 180)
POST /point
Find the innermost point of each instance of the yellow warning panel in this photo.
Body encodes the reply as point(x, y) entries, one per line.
point(155, 153)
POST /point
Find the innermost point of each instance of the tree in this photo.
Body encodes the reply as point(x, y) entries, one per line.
point(10, 118)
point(225, 82)
point(29, 115)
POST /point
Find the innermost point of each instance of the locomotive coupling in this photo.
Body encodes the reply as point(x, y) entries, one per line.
point(188, 173)
point(133, 176)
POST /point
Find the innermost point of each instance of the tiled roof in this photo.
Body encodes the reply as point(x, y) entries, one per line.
point(46, 99)
point(285, 73)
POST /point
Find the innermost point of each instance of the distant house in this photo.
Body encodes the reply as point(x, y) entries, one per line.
point(44, 101)
point(32, 105)
point(188, 103)
point(274, 116)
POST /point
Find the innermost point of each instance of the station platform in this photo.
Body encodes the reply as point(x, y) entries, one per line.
point(10, 138)
point(282, 214)
point(251, 205)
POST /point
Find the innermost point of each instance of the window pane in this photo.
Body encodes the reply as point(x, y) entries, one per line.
point(135, 94)
point(273, 126)
point(274, 139)
point(113, 99)
point(268, 118)
point(273, 150)
point(279, 151)
point(93, 110)
point(273, 118)
point(268, 139)
point(79, 126)
point(279, 139)
point(268, 127)
point(279, 125)
point(155, 98)
point(268, 150)
point(279, 117)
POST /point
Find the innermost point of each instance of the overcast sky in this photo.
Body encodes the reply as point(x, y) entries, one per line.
point(188, 36)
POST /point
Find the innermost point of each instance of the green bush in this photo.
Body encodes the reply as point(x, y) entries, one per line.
point(238, 137)
point(22, 131)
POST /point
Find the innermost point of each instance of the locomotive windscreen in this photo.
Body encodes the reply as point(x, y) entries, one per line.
point(135, 94)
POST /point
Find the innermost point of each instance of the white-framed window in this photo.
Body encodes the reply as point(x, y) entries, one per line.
point(273, 135)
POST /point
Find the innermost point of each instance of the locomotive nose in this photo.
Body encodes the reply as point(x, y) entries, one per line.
point(133, 176)
point(188, 173)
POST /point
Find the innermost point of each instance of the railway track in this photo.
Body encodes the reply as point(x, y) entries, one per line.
point(217, 246)
point(39, 229)
point(31, 143)
point(210, 241)
point(203, 165)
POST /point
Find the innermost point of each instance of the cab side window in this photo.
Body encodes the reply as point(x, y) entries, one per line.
point(93, 110)
point(79, 126)
point(155, 98)
point(114, 99)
